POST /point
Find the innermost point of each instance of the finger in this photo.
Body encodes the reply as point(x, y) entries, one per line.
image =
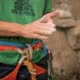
point(28, 35)
point(49, 20)
point(44, 32)
point(51, 24)
point(47, 26)
point(50, 15)
point(40, 37)
point(33, 35)
point(53, 14)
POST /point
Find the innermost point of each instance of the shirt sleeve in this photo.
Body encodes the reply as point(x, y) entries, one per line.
point(48, 6)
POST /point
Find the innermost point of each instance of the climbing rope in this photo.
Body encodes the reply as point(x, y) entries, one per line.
point(25, 59)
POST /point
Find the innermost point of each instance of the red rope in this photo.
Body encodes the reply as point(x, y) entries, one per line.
point(34, 47)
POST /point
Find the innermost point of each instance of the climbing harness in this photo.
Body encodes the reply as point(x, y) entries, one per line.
point(13, 55)
point(28, 55)
point(33, 68)
point(27, 51)
point(13, 74)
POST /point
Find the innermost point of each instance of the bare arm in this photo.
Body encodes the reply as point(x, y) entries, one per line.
point(39, 29)
point(9, 29)
point(8, 34)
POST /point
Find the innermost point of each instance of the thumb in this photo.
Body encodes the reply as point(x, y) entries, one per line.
point(48, 17)
point(45, 19)
point(53, 14)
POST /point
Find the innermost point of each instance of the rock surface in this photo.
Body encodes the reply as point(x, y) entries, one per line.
point(64, 22)
point(73, 36)
point(65, 42)
point(64, 58)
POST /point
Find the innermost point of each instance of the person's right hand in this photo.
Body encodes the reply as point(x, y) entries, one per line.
point(38, 29)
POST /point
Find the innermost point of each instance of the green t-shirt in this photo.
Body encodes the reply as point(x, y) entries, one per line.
point(22, 12)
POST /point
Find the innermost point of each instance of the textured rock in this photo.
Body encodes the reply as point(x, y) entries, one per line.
point(75, 8)
point(64, 13)
point(78, 72)
point(65, 42)
point(64, 58)
point(65, 18)
point(78, 54)
point(73, 36)
point(64, 22)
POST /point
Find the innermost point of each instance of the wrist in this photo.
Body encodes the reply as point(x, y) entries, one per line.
point(17, 28)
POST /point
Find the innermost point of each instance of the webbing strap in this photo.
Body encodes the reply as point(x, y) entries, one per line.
point(13, 74)
point(43, 46)
point(6, 43)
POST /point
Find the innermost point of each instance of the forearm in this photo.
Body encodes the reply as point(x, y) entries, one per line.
point(8, 34)
point(9, 29)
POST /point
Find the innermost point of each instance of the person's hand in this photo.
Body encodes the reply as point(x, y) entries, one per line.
point(41, 28)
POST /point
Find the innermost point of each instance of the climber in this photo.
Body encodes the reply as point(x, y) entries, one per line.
point(25, 22)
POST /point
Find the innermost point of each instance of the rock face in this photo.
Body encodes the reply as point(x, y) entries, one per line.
point(64, 23)
point(75, 8)
point(79, 57)
point(64, 58)
point(64, 19)
point(73, 36)
point(65, 42)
